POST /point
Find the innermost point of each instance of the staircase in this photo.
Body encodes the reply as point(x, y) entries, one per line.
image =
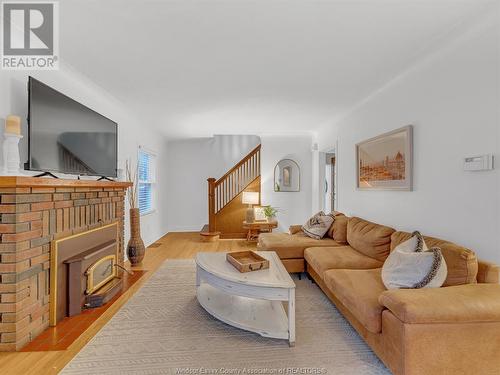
point(226, 213)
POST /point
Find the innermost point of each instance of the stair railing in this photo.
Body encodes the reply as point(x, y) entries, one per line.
point(222, 191)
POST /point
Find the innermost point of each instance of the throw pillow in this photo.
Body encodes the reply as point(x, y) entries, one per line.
point(462, 263)
point(338, 230)
point(317, 226)
point(412, 265)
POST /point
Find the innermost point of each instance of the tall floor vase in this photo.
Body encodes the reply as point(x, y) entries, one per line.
point(135, 246)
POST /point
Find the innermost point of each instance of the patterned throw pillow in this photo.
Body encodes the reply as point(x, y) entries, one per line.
point(317, 226)
point(412, 265)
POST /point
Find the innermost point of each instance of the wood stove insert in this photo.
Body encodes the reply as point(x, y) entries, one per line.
point(83, 271)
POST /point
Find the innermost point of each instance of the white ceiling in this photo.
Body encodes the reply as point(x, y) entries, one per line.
point(262, 66)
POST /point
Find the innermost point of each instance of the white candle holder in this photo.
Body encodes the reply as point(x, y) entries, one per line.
point(11, 158)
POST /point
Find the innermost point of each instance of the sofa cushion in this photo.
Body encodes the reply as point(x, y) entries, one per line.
point(359, 291)
point(461, 262)
point(338, 230)
point(322, 259)
point(454, 304)
point(289, 246)
point(371, 239)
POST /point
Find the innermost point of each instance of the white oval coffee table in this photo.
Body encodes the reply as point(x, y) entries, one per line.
point(252, 301)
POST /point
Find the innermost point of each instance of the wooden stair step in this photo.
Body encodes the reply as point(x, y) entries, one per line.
point(208, 236)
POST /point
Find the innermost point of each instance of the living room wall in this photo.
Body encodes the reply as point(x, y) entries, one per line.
point(191, 161)
point(295, 207)
point(131, 134)
point(452, 99)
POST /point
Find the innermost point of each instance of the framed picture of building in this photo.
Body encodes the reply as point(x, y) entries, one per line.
point(385, 162)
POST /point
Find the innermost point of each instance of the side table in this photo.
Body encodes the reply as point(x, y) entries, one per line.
point(257, 227)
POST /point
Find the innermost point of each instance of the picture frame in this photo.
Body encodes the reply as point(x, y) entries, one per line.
point(385, 162)
point(259, 213)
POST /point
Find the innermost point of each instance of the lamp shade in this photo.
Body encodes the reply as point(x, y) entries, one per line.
point(250, 197)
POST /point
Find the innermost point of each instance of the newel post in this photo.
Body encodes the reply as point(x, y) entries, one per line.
point(211, 204)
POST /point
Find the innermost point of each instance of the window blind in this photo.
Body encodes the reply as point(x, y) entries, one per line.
point(146, 174)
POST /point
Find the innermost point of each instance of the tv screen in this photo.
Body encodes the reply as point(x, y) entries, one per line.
point(68, 137)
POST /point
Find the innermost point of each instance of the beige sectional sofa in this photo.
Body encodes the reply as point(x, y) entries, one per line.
point(454, 329)
point(290, 246)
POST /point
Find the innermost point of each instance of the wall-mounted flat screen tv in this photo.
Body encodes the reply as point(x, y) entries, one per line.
point(68, 137)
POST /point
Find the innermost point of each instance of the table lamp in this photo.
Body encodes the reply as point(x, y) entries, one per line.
point(250, 198)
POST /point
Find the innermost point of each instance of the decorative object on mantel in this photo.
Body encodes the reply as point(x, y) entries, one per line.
point(12, 134)
point(287, 176)
point(250, 198)
point(385, 162)
point(135, 246)
point(246, 261)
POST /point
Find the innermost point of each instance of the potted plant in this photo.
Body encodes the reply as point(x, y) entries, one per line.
point(270, 212)
point(135, 246)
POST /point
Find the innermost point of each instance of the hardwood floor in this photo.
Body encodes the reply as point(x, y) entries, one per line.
point(172, 246)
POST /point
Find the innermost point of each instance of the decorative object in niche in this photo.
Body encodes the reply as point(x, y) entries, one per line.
point(287, 172)
point(286, 176)
point(385, 162)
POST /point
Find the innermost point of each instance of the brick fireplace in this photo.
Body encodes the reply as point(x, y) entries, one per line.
point(33, 213)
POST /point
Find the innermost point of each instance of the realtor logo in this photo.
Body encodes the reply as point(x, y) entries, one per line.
point(30, 35)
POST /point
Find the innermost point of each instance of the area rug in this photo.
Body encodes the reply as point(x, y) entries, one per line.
point(163, 330)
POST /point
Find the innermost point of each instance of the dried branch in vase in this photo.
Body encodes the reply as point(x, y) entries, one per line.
point(132, 190)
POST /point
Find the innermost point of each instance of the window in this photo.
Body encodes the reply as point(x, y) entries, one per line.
point(147, 179)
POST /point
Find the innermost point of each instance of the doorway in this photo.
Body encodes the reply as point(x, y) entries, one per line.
point(330, 199)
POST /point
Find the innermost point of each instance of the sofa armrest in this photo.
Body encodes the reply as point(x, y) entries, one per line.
point(295, 229)
point(453, 304)
point(488, 272)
